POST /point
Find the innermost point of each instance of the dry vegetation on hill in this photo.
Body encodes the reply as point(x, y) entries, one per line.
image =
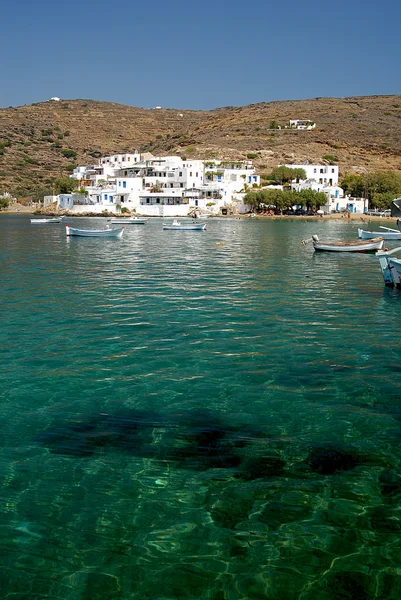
point(42, 141)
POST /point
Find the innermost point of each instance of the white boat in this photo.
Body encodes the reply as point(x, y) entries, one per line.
point(358, 246)
point(51, 220)
point(391, 267)
point(389, 234)
point(185, 226)
point(115, 233)
point(128, 221)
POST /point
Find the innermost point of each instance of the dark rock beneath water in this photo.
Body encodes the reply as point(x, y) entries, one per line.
point(327, 460)
point(261, 467)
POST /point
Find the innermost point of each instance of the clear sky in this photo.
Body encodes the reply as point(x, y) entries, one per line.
point(198, 55)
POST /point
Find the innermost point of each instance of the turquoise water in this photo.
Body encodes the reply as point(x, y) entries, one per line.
point(187, 419)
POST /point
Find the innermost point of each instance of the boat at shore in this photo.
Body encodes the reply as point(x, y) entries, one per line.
point(358, 246)
point(185, 226)
point(388, 234)
point(128, 221)
point(42, 221)
point(391, 267)
point(110, 233)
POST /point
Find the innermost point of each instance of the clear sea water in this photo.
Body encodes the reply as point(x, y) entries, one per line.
point(187, 419)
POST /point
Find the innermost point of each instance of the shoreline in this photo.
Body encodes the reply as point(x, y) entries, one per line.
point(29, 210)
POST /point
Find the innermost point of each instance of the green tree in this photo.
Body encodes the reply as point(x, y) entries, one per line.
point(64, 185)
point(4, 202)
point(284, 174)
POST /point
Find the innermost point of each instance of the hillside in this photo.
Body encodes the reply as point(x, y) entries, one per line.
point(42, 141)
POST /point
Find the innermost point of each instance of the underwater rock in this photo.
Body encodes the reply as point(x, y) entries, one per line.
point(327, 460)
point(390, 482)
point(261, 468)
point(285, 507)
point(197, 440)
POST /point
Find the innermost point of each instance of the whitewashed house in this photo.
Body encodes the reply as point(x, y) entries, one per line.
point(324, 174)
point(145, 183)
point(302, 124)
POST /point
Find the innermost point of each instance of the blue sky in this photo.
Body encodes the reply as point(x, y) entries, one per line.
point(204, 55)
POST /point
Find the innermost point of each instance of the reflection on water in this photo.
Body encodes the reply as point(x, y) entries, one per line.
point(186, 419)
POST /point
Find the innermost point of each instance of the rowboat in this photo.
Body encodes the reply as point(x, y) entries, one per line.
point(391, 267)
point(128, 221)
point(114, 233)
point(389, 234)
point(359, 246)
point(186, 226)
point(52, 220)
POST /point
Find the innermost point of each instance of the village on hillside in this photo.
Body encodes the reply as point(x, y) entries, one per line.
point(171, 186)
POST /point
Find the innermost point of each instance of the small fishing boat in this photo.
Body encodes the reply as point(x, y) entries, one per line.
point(51, 220)
point(114, 233)
point(359, 246)
point(185, 226)
point(391, 267)
point(389, 234)
point(128, 221)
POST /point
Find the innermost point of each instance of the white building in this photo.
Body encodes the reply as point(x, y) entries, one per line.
point(324, 174)
point(302, 124)
point(145, 183)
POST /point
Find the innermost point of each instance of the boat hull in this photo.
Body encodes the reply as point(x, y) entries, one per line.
point(43, 221)
point(362, 246)
point(387, 235)
point(200, 227)
point(104, 233)
point(128, 221)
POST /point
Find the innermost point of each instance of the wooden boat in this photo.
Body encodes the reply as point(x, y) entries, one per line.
point(185, 226)
point(128, 221)
point(391, 267)
point(114, 233)
point(389, 234)
point(358, 246)
point(51, 220)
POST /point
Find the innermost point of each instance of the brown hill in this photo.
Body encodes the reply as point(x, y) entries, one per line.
point(42, 141)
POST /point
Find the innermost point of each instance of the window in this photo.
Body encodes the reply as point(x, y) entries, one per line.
point(196, 174)
point(190, 174)
point(128, 159)
point(332, 170)
point(180, 173)
point(321, 170)
point(105, 196)
point(124, 184)
point(119, 183)
point(314, 170)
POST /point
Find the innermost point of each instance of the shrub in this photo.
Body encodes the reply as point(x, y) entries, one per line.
point(330, 158)
point(68, 153)
point(252, 155)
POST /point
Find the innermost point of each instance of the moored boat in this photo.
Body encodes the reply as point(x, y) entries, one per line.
point(51, 220)
point(358, 246)
point(128, 221)
point(391, 267)
point(388, 234)
point(115, 233)
point(185, 226)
